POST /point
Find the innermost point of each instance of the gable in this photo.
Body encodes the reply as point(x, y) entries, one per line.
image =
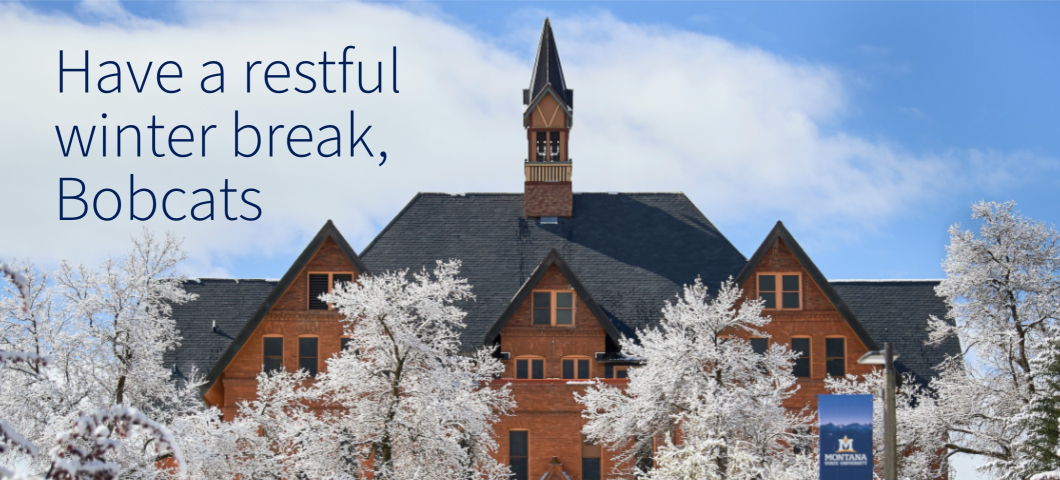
point(554, 281)
point(547, 111)
point(329, 258)
point(780, 254)
point(328, 249)
point(551, 275)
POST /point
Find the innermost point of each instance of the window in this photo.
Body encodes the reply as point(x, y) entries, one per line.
point(591, 454)
point(273, 350)
point(759, 346)
point(346, 344)
point(554, 308)
point(835, 356)
point(802, 363)
point(576, 368)
point(553, 147)
point(542, 147)
point(616, 371)
point(644, 458)
point(803, 442)
point(321, 283)
point(519, 453)
point(790, 290)
point(307, 355)
point(533, 368)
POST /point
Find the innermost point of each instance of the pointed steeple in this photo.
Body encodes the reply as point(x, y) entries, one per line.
point(548, 71)
point(547, 119)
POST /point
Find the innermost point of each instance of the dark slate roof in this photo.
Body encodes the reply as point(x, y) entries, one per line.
point(547, 69)
point(897, 311)
point(631, 251)
point(228, 302)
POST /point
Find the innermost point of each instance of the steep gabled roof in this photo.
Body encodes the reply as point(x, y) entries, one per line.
point(553, 258)
point(632, 251)
point(897, 311)
point(208, 324)
point(780, 233)
point(548, 71)
point(326, 232)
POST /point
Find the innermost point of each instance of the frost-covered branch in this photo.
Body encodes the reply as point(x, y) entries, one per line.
point(703, 390)
point(81, 453)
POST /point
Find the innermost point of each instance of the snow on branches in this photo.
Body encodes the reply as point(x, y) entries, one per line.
point(407, 396)
point(703, 391)
point(1002, 287)
point(81, 451)
point(103, 332)
point(20, 282)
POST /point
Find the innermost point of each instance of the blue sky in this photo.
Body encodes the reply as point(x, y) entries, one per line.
point(921, 79)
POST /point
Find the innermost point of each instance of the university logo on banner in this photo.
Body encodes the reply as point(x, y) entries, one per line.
point(845, 427)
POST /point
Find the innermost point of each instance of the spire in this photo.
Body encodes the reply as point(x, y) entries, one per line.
point(547, 70)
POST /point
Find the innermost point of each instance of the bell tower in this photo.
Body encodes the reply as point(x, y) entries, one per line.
point(547, 119)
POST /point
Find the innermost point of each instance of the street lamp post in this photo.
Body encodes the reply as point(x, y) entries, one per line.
point(890, 426)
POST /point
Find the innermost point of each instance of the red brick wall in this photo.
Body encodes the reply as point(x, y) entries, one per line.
point(291, 318)
point(545, 407)
point(548, 411)
point(818, 319)
point(548, 199)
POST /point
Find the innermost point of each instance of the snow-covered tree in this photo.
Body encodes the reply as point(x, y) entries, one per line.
point(402, 402)
point(921, 439)
point(1043, 417)
point(701, 390)
point(1002, 287)
point(105, 331)
point(276, 435)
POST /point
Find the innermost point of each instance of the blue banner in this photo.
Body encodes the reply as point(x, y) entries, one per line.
point(845, 427)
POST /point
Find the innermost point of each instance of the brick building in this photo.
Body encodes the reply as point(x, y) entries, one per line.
point(559, 277)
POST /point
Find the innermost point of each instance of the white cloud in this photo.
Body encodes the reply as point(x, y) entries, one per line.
point(745, 133)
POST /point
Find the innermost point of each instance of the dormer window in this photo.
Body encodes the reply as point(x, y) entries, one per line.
point(321, 283)
point(553, 307)
point(785, 287)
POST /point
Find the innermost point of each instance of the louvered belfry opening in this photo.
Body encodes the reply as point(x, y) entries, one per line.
point(547, 119)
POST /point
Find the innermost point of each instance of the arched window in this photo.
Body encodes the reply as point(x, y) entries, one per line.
point(530, 367)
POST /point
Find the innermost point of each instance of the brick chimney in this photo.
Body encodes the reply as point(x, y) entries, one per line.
point(547, 119)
